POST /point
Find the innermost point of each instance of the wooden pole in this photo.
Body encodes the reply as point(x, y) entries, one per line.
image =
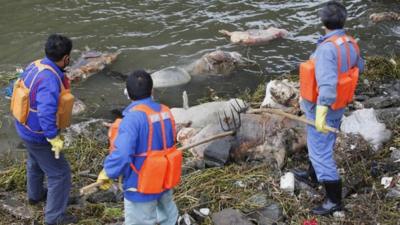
point(290, 116)
point(221, 135)
point(91, 188)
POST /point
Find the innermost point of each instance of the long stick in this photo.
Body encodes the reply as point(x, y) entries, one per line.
point(93, 187)
point(290, 116)
point(221, 135)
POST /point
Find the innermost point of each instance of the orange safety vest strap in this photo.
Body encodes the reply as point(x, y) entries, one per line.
point(133, 167)
point(333, 41)
point(337, 41)
point(40, 67)
point(346, 45)
point(164, 138)
point(355, 45)
point(148, 111)
point(171, 118)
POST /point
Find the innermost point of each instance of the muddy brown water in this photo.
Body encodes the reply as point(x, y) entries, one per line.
point(158, 34)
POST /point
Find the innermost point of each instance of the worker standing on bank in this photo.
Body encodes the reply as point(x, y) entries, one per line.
point(41, 104)
point(327, 84)
point(145, 155)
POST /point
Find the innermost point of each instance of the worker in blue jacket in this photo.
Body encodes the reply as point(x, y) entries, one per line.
point(320, 142)
point(131, 142)
point(41, 136)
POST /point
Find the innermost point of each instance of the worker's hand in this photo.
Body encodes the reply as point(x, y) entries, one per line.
point(105, 180)
point(320, 118)
point(57, 144)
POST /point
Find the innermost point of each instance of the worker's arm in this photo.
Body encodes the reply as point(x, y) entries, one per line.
point(47, 95)
point(119, 160)
point(326, 73)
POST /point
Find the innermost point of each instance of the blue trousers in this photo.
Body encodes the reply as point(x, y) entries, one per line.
point(162, 211)
point(41, 163)
point(320, 145)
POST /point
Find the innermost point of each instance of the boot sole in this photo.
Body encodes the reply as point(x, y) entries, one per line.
point(329, 213)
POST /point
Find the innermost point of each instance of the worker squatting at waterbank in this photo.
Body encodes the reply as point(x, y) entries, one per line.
point(327, 84)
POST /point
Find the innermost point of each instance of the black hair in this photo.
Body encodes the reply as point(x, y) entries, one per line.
point(57, 46)
point(333, 15)
point(139, 85)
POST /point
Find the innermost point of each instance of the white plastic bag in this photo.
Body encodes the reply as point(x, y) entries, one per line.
point(365, 123)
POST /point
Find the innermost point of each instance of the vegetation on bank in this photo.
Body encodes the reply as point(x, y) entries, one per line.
point(383, 69)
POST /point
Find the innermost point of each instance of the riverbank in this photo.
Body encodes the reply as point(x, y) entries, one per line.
point(252, 186)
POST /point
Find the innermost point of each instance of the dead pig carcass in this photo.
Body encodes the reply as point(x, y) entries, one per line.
point(260, 137)
point(89, 63)
point(255, 37)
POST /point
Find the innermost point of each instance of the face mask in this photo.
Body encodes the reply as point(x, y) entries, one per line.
point(126, 94)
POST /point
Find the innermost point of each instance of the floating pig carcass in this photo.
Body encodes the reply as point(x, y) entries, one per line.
point(218, 63)
point(384, 16)
point(255, 37)
point(214, 63)
point(169, 77)
point(89, 63)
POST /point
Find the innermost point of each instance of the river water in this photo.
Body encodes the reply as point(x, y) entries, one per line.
point(158, 34)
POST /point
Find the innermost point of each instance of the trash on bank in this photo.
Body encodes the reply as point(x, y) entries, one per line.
point(287, 182)
point(386, 181)
point(365, 123)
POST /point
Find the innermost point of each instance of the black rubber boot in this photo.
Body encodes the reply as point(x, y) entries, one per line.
point(333, 198)
point(35, 202)
point(309, 177)
point(67, 219)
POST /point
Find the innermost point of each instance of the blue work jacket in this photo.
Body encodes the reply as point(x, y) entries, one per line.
point(44, 96)
point(131, 141)
point(326, 72)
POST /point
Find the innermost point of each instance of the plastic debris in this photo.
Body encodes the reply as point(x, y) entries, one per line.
point(386, 181)
point(365, 123)
point(240, 184)
point(287, 182)
point(205, 211)
point(339, 214)
point(185, 219)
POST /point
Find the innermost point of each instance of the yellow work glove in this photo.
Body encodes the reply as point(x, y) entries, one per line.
point(105, 180)
point(57, 144)
point(320, 118)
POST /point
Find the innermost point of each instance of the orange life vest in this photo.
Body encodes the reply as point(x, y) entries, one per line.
point(20, 104)
point(113, 133)
point(347, 81)
point(161, 169)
